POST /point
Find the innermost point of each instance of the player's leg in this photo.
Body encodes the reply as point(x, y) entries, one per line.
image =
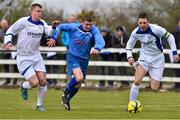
point(140, 72)
point(75, 81)
point(74, 67)
point(79, 73)
point(154, 85)
point(72, 88)
point(156, 76)
point(78, 77)
point(42, 89)
point(27, 71)
point(156, 72)
point(31, 81)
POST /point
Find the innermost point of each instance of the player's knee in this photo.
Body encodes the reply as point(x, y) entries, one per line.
point(154, 88)
point(34, 84)
point(79, 78)
point(42, 82)
point(137, 83)
point(154, 85)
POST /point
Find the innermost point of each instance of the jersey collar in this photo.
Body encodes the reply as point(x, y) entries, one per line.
point(144, 32)
point(35, 22)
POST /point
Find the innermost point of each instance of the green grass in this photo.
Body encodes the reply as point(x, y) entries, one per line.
point(90, 104)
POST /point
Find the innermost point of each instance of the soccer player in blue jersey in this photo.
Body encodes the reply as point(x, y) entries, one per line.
point(29, 60)
point(151, 58)
point(82, 36)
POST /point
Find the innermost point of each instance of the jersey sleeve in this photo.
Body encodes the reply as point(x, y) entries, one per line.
point(63, 27)
point(169, 37)
point(14, 29)
point(99, 40)
point(160, 31)
point(172, 44)
point(47, 28)
point(130, 44)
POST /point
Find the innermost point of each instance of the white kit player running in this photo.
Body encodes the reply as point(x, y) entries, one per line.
point(29, 60)
point(151, 58)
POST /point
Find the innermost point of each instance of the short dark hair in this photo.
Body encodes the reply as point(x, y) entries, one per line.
point(35, 5)
point(88, 18)
point(143, 15)
point(119, 28)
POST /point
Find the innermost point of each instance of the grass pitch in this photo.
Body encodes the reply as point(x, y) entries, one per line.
point(89, 104)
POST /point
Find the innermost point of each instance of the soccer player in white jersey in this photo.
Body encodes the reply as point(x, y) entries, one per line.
point(151, 58)
point(29, 60)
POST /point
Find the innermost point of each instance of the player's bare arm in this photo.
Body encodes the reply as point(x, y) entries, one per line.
point(51, 42)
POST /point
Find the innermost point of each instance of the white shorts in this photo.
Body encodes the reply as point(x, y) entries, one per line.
point(27, 68)
point(154, 65)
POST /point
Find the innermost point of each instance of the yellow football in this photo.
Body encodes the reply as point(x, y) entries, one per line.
point(134, 106)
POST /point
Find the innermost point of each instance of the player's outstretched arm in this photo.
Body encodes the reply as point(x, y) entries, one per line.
point(51, 42)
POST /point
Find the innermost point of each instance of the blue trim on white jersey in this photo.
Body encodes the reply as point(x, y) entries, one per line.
point(144, 32)
point(25, 70)
point(8, 34)
point(158, 43)
point(174, 52)
point(8, 42)
point(35, 22)
point(149, 31)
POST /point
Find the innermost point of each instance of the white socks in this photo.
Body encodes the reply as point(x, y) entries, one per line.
point(26, 85)
point(134, 92)
point(41, 94)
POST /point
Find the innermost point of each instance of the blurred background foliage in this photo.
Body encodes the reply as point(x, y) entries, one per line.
point(163, 12)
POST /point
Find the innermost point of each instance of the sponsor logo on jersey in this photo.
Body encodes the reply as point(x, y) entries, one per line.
point(34, 35)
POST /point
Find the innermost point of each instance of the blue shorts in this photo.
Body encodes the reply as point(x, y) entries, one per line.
point(74, 62)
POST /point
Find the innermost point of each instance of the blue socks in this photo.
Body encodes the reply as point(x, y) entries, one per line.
point(72, 93)
point(72, 83)
point(71, 90)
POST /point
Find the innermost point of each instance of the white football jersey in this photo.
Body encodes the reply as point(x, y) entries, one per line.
point(151, 43)
point(29, 35)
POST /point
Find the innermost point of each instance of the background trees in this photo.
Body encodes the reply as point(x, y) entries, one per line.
point(111, 14)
